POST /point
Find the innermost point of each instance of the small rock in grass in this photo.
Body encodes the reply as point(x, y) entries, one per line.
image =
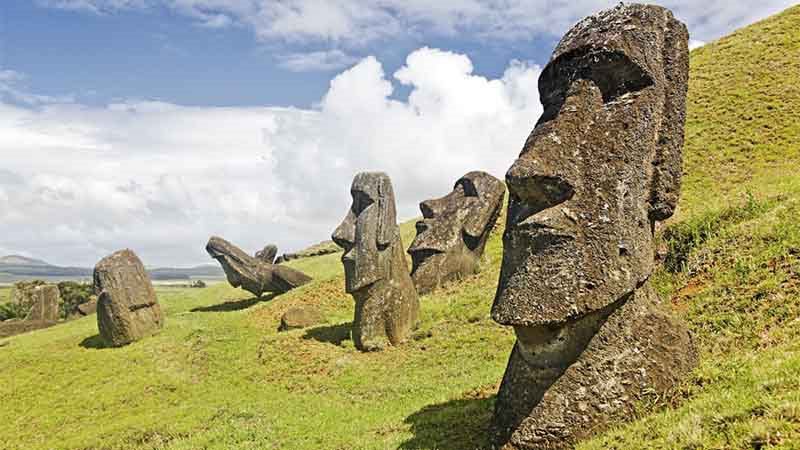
point(301, 317)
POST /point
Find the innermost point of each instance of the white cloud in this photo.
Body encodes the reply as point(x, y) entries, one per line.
point(316, 61)
point(355, 23)
point(79, 181)
point(693, 44)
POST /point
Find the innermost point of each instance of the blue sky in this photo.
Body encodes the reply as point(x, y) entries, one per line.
point(154, 124)
point(156, 53)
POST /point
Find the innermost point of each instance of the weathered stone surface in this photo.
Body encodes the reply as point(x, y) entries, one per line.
point(376, 272)
point(252, 274)
point(37, 300)
point(301, 317)
point(600, 168)
point(454, 229)
point(45, 302)
point(322, 248)
point(267, 254)
point(22, 293)
point(127, 307)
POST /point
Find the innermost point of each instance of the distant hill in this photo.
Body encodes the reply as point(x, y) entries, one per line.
point(17, 260)
point(202, 271)
point(17, 267)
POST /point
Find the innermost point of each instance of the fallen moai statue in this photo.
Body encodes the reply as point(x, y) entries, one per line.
point(127, 307)
point(454, 229)
point(375, 268)
point(252, 274)
point(600, 168)
point(267, 254)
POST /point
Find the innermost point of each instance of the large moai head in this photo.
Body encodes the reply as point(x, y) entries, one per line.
point(601, 166)
point(368, 231)
point(454, 229)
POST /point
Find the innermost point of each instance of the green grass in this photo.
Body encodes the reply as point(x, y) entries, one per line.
point(5, 294)
point(219, 376)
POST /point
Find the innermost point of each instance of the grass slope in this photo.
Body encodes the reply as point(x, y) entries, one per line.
point(219, 376)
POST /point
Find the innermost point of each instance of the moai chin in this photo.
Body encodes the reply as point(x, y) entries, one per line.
point(454, 229)
point(375, 269)
point(600, 168)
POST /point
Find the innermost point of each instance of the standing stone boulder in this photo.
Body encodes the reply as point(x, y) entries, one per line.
point(267, 254)
point(127, 307)
point(375, 268)
point(599, 170)
point(253, 274)
point(301, 317)
point(454, 229)
point(45, 301)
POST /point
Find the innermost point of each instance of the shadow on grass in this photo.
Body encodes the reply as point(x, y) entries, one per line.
point(332, 334)
point(236, 305)
point(94, 342)
point(455, 425)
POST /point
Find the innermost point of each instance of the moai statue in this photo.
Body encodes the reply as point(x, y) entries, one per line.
point(375, 269)
point(267, 254)
point(600, 168)
point(252, 274)
point(127, 307)
point(454, 229)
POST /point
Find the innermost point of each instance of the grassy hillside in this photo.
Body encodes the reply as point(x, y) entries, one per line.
point(219, 376)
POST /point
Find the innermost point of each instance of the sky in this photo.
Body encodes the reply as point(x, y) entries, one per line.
point(154, 124)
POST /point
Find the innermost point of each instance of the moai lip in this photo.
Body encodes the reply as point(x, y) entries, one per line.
point(600, 168)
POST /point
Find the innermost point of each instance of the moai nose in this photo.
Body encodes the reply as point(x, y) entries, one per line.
point(431, 208)
point(538, 189)
point(345, 234)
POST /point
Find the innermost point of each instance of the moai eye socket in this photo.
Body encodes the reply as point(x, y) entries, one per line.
point(614, 73)
point(360, 202)
point(470, 190)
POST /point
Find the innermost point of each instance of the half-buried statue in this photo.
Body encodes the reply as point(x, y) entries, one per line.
point(254, 275)
point(375, 268)
point(127, 307)
point(600, 168)
point(454, 229)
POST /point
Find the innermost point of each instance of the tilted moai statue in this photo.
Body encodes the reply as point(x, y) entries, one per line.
point(375, 269)
point(454, 229)
point(600, 168)
point(127, 307)
point(252, 274)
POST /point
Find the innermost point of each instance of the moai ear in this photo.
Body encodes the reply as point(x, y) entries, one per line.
point(666, 180)
point(387, 214)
